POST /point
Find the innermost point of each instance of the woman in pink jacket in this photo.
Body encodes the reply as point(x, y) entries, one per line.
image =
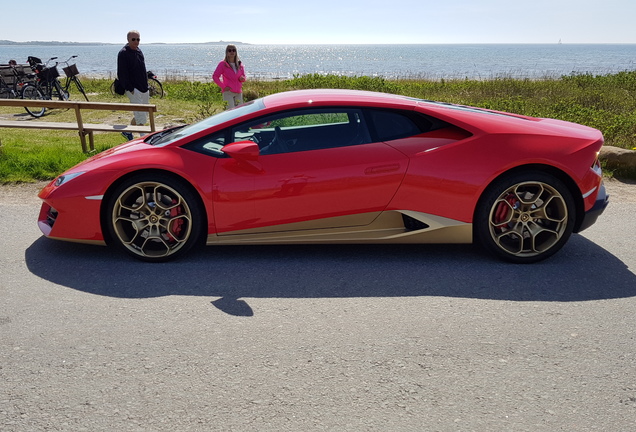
point(229, 75)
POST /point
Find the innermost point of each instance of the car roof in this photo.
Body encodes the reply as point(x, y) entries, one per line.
point(467, 117)
point(337, 97)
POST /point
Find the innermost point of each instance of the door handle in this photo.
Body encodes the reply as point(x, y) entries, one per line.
point(382, 169)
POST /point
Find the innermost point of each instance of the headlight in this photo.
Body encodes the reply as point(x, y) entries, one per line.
point(65, 178)
point(597, 168)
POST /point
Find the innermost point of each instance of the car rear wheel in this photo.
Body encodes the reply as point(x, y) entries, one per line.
point(154, 217)
point(525, 218)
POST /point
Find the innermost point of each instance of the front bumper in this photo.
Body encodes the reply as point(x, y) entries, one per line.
point(76, 223)
point(590, 216)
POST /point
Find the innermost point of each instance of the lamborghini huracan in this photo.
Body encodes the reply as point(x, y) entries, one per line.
point(337, 166)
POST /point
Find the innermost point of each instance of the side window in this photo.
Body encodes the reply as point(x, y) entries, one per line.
point(390, 125)
point(260, 132)
point(312, 119)
point(305, 130)
point(210, 145)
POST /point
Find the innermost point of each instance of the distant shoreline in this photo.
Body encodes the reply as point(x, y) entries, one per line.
point(58, 43)
point(221, 42)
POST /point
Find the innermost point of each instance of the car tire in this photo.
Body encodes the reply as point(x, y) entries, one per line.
point(154, 217)
point(525, 217)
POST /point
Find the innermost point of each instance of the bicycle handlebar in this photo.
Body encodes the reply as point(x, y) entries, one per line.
point(69, 59)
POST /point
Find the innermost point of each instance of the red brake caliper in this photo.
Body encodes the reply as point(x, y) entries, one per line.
point(503, 211)
point(177, 224)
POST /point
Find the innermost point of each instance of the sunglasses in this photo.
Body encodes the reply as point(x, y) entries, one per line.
point(231, 50)
point(135, 39)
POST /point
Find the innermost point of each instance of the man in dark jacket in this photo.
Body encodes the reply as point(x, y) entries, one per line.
point(131, 72)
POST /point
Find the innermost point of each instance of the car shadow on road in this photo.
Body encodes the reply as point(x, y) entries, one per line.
point(582, 271)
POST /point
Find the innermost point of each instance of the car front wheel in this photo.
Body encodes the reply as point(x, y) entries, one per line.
point(525, 217)
point(154, 217)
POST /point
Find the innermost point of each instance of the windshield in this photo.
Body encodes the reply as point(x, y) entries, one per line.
point(217, 119)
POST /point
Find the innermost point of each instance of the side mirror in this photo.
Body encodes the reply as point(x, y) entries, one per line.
point(242, 150)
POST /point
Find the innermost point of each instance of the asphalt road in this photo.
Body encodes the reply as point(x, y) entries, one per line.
point(309, 338)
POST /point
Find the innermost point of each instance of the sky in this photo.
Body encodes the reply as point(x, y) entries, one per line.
point(326, 21)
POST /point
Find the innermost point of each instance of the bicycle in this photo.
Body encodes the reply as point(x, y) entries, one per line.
point(8, 90)
point(71, 73)
point(12, 79)
point(155, 88)
point(45, 87)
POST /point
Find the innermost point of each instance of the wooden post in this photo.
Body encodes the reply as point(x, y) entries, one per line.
point(152, 121)
point(80, 127)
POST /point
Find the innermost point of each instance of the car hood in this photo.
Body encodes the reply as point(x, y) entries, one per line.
point(107, 156)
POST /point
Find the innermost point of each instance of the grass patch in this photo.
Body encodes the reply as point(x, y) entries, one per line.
point(605, 102)
point(24, 162)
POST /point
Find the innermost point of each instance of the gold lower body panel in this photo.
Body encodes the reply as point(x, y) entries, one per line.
point(387, 227)
point(87, 242)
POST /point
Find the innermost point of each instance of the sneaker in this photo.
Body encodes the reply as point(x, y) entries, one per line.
point(127, 135)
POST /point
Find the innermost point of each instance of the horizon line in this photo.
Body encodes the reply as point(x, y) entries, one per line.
point(6, 42)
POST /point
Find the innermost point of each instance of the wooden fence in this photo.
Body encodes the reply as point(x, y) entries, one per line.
point(83, 129)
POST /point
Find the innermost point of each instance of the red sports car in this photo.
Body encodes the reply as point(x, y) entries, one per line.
point(337, 166)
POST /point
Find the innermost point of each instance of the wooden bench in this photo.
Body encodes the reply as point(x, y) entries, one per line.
point(84, 129)
point(11, 74)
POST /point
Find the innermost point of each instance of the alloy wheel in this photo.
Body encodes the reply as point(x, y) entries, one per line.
point(152, 220)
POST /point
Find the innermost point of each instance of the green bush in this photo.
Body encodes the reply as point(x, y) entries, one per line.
point(605, 102)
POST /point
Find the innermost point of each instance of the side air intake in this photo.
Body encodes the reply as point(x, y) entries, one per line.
point(412, 224)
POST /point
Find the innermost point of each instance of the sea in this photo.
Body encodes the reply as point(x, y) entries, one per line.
point(405, 61)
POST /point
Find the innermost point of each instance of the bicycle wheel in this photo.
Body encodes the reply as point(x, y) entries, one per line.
point(80, 87)
point(8, 91)
point(59, 91)
point(155, 88)
point(29, 91)
point(5, 91)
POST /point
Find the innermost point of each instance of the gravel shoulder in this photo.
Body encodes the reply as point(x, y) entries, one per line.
point(621, 190)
